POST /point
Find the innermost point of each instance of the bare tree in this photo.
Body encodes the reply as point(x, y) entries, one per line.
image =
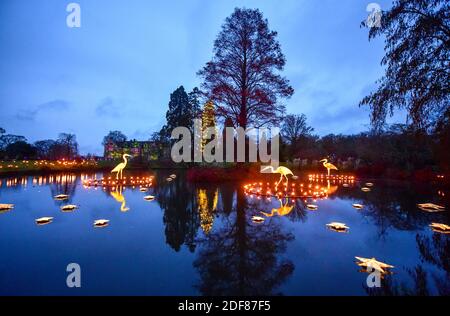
point(242, 78)
point(294, 127)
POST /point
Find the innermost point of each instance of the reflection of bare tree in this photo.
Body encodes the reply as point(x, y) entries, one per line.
point(418, 287)
point(178, 201)
point(227, 194)
point(394, 206)
point(299, 212)
point(63, 184)
point(242, 258)
point(436, 250)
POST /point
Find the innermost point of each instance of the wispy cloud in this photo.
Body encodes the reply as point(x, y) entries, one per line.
point(107, 107)
point(142, 134)
point(30, 114)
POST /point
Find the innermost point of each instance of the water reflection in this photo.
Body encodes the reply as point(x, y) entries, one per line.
point(434, 252)
point(284, 209)
point(117, 194)
point(231, 255)
point(181, 218)
point(242, 258)
point(207, 206)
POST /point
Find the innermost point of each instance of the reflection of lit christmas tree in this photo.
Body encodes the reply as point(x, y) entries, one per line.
point(208, 119)
point(206, 210)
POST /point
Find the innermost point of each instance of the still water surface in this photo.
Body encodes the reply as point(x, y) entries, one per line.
point(196, 239)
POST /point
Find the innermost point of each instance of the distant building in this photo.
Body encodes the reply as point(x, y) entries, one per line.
point(144, 150)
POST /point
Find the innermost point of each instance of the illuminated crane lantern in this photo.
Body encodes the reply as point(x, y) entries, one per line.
point(119, 168)
point(283, 171)
point(328, 165)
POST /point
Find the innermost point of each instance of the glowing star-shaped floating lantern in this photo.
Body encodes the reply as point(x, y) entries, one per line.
point(440, 228)
point(149, 197)
point(69, 207)
point(6, 207)
point(312, 207)
point(44, 220)
point(339, 227)
point(374, 264)
point(61, 197)
point(328, 165)
point(430, 207)
point(257, 219)
point(365, 189)
point(119, 168)
point(101, 223)
point(358, 206)
point(283, 171)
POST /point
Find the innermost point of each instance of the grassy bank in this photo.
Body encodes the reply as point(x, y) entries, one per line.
point(24, 166)
point(213, 172)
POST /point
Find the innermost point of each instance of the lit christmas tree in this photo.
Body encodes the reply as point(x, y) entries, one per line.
point(208, 119)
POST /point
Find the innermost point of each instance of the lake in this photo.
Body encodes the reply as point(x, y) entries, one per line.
point(202, 239)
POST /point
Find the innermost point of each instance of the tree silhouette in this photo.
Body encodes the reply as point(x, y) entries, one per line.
point(242, 78)
point(180, 112)
point(181, 218)
point(242, 258)
point(417, 62)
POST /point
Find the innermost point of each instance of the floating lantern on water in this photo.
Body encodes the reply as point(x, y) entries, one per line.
point(440, 228)
point(312, 207)
point(365, 189)
point(369, 184)
point(143, 189)
point(143, 182)
point(430, 207)
point(61, 197)
point(149, 197)
point(374, 264)
point(338, 227)
point(101, 223)
point(169, 179)
point(257, 219)
point(68, 208)
point(358, 206)
point(345, 185)
point(264, 190)
point(173, 176)
point(6, 207)
point(44, 220)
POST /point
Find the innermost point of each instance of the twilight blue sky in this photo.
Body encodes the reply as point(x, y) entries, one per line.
point(118, 70)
